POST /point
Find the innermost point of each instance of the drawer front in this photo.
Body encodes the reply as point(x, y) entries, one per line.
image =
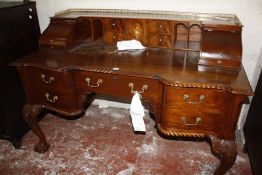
point(195, 120)
point(111, 37)
point(113, 25)
point(56, 99)
point(147, 88)
point(160, 27)
point(113, 30)
point(41, 87)
point(135, 29)
point(160, 41)
point(94, 82)
point(116, 85)
point(192, 97)
point(46, 79)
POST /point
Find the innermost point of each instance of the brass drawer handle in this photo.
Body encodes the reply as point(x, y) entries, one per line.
point(55, 98)
point(144, 87)
point(47, 81)
point(99, 81)
point(201, 99)
point(197, 122)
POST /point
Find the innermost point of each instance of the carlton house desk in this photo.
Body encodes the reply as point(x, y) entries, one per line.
point(190, 73)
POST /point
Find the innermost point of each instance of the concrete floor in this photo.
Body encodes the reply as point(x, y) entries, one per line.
point(103, 143)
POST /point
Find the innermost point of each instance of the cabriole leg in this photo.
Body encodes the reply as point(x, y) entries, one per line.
point(30, 113)
point(225, 151)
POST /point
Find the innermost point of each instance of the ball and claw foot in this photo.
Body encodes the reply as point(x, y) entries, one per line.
point(41, 147)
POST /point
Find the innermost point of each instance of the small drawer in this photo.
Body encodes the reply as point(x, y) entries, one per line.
point(53, 44)
point(160, 41)
point(111, 37)
point(113, 25)
point(47, 79)
point(210, 98)
point(160, 27)
point(57, 99)
point(94, 82)
point(195, 120)
point(146, 87)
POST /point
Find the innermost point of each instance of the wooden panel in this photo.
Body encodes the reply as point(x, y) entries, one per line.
point(37, 83)
point(221, 48)
point(111, 37)
point(160, 41)
point(192, 96)
point(195, 120)
point(61, 100)
point(58, 34)
point(112, 24)
point(113, 30)
point(160, 27)
point(116, 85)
point(135, 29)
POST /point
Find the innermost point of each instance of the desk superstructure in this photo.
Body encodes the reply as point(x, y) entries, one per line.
point(190, 74)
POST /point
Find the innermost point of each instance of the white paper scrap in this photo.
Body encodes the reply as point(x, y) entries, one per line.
point(137, 113)
point(129, 45)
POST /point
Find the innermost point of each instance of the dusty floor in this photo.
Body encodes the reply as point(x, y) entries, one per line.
point(103, 143)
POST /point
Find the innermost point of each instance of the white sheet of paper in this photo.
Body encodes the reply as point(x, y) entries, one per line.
point(137, 113)
point(129, 45)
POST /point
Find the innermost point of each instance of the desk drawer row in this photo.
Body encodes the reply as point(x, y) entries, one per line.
point(60, 89)
point(183, 109)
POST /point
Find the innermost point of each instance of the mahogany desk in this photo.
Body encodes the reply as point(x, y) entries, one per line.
point(190, 74)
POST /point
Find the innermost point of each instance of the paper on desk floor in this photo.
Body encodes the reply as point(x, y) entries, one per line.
point(129, 45)
point(137, 113)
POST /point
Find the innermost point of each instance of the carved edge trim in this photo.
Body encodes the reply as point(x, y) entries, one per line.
point(131, 74)
point(179, 134)
point(176, 84)
point(157, 77)
point(206, 86)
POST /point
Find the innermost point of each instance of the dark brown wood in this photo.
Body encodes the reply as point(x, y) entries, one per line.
point(30, 113)
point(168, 31)
point(225, 151)
point(187, 99)
point(19, 33)
point(228, 54)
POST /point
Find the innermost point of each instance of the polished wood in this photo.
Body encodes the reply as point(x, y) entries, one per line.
point(185, 31)
point(188, 99)
point(30, 113)
point(19, 34)
point(225, 151)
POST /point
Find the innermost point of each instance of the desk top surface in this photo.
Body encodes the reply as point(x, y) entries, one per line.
point(176, 68)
